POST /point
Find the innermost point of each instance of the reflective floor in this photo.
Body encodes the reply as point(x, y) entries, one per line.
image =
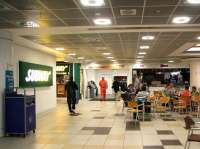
point(102, 125)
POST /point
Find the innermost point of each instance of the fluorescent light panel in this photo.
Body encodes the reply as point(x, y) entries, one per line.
point(72, 54)
point(144, 47)
point(193, 1)
point(142, 53)
point(171, 61)
point(102, 21)
point(194, 49)
point(80, 58)
point(181, 20)
point(60, 49)
point(110, 57)
point(148, 38)
point(92, 3)
point(106, 53)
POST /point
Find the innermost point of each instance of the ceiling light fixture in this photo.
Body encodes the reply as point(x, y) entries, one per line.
point(181, 20)
point(110, 57)
point(102, 21)
point(171, 61)
point(140, 56)
point(142, 53)
point(60, 49)
point(144, 47)
point(193, 1)
point(148, 38)
point(198, 37)
point(31, 24)
point(194, 49)
point(72, 54)
point(92, 3)
point(113, 60)
point(80, 58)
point(106, 53)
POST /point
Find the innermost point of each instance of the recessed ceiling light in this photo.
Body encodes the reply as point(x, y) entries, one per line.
point(31, 24)
point(72, 54)
point(193, 1)
point(140, 56)
point(198, 37)
point(181, 20)
point(194, 49)
point(110, 57)
point(113, 60)
point(148, 38)
point(106, 53)
point(142, 53)
point(102, 21)
point(80, 58)
point(92, 3)
point(60, 49)
point(170, 61)
point(144, 47)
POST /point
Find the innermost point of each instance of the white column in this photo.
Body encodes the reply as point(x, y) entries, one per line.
point(195, 73)
point(5, 63)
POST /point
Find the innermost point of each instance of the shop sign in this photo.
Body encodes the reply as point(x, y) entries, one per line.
point(35, 75)
point(163, 65)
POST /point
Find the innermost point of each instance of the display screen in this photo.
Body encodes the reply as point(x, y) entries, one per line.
point(35, 75)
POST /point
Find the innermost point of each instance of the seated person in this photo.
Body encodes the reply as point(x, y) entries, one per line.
point(186, 95)
point(169, 90)
point(143, 94)
point(142, 97)
point(194, 91)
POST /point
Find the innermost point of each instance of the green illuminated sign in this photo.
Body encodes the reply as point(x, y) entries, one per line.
point(35, 75)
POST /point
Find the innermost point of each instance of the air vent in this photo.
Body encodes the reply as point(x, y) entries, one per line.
point(127, 12)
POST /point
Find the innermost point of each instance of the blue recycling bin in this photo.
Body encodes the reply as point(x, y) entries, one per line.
point(20, 113)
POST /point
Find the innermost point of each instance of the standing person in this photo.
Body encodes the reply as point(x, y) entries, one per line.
point(103, 86)
point(71, 88)
point(115, 87)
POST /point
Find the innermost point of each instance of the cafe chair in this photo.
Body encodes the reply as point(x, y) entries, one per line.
point(163, 104)
point(133, 108)
point(192, 128)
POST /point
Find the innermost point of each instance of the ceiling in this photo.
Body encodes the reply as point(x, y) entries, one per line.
point(122, 38)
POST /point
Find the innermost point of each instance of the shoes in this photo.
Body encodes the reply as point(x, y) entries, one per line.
point(74, 113)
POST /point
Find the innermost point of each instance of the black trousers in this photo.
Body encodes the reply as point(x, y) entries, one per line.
point(71, 101)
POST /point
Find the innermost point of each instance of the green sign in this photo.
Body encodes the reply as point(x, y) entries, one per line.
point(35, 75)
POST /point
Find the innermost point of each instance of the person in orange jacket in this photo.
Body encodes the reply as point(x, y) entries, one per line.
point(103, 86)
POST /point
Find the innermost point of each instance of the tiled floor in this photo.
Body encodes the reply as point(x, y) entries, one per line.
point(101, 125)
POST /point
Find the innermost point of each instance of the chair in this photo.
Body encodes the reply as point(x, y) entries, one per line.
point(126, 97)
point(162, 105)
point(134, 109)
point(191, 137)
point(182, 104)
point(196, 104)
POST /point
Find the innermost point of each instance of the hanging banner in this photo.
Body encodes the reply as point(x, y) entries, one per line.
point(35, 75)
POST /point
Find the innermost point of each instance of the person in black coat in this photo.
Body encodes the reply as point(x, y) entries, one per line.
point(71, 88)
point(115, 87)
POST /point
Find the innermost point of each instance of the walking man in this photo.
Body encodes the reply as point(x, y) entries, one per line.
point(71, 88)
point(103, 86)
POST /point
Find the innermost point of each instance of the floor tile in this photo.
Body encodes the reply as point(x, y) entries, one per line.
point(153, 147)
point(132, 126)
point(171, 142)
point(165, 132)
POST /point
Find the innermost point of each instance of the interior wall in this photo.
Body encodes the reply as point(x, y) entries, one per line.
point(10, 54)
